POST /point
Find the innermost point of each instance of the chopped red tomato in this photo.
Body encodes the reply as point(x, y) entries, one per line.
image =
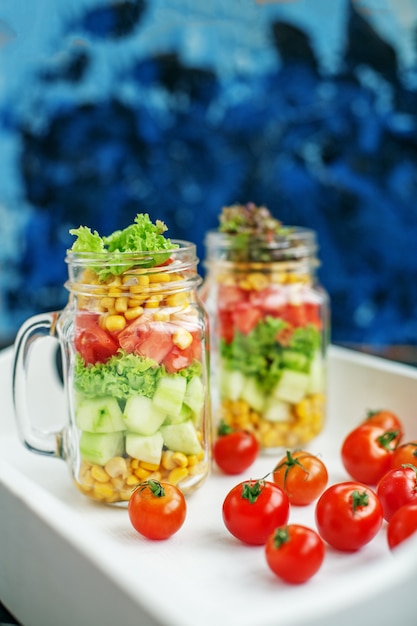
point(229, 296)
point(176, 359)
point(92, 342)
point(148, 338)
point(245, 317)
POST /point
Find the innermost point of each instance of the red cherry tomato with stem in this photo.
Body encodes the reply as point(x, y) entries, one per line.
point(294, 553)
point(396, 488)
point(234, 451)
point(302, 475)
point(405, 453)
point(366, 452)
point(253, 509)
point(385, 419)
point(402, 525)
point(157, 510)
point(348, 515)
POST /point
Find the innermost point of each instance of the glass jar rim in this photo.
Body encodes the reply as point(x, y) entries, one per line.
point(295, 243)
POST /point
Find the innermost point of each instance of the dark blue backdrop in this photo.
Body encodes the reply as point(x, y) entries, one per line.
point(103, 125)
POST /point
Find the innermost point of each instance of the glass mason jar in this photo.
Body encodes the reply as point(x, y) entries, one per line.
point(269, 322)
point(135, 369)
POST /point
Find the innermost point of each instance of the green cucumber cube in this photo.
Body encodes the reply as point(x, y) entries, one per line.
point(98, 415)
point(253, 394)
point(194, 396)
point(183, 415)
point(142, 416)
point(294, 360)
point(98, 448)
point(231, 384)
point(317, 375)
point(146, 448)
point(277, 410)
point(169, 394)
point(292, 386)
point(181, 438)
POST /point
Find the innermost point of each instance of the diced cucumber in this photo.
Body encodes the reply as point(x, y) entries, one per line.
point(231, 384)
point(181, 438)
point(294, 360)
point(292, 386)
point(98, 415)
point(169, 394)
point(317, 375)
point(146, 448)
point(277, 410)
point(98, 448)
point(183, 415)
point(252, 394)
point(194, 396)
point(142, 416)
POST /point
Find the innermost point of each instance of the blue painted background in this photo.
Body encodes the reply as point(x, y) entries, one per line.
point(178, 107)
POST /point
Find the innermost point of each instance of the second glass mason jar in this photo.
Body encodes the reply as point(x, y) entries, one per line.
point(269, 334)
point(135, 366)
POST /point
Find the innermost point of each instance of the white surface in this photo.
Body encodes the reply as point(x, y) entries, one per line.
point(66, 560)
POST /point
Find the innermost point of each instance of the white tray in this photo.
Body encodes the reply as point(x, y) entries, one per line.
point(66, 560)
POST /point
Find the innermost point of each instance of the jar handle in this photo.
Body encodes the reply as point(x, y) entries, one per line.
point(35, 328)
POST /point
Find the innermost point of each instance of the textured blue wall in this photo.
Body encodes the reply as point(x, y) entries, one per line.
point(176, 108)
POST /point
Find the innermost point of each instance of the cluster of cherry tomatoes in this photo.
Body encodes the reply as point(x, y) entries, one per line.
point(348, 515)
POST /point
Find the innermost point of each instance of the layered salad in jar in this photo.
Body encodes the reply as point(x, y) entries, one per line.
point(138, 364)
point(269, 327)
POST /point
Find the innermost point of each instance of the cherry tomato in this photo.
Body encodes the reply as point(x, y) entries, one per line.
point(234, 450)
point(294, 552)
point(385, 419)
point(366, 452)
point(396, 488)
point(157, 510)
point(253, 509)
point(348, 515)
point(405, 453)
point(402, 525)
point(302, 476)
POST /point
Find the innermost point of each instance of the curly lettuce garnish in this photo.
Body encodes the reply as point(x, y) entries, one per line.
point(143, 240)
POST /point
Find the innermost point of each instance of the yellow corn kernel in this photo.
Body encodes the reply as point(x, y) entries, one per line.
point(180, 459)
point(115, 292)
point(159, 278)
point(151, 467)
point(136, 301)
point(176, 475)
point(177, 299)
point(134, 463)
point(107, 303)
point(175, 277)
point(99, 474)
point(116, 466)
point(132, 480)
point(87, 480)
point(153, 302)
point(192, 460)
point(118, 483)
point(121, 304)
point(155, 476)
point(133, 313)
point(167, 461)
point(141, 473)
point(115, 323)
point(124, 494)
point(258, 281)
point(182, 338)
point(102, 490)
point(161, 316)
